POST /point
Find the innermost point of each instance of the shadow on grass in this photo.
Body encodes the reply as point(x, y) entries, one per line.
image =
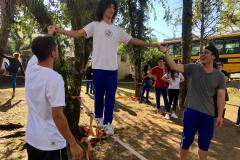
point(15, 135)
point(123, 92)
point(10, 126)
point(121, 106)
point(8, 105)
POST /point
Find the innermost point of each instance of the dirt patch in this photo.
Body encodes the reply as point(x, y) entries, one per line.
point(139, 125)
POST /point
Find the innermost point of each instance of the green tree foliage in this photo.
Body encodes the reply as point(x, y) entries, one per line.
point(206, 18)
point(23, 29)
point(229, 20)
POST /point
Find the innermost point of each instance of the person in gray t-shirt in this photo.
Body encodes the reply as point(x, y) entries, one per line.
point(202, 88)
point(199, 115)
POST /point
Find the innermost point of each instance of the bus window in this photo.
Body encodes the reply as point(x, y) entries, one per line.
point(195, 49)
point(232, 47)
point(220, 48)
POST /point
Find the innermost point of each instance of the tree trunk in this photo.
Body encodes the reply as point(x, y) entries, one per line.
point(186, 43)
point(136, 17)
point(138, 72)
point(8, 8)
point(81, 51)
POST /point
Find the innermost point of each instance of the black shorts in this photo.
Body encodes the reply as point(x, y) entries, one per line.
point(36, 154)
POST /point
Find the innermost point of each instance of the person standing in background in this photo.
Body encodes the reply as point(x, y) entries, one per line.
point(174, 79)
point(159, 84)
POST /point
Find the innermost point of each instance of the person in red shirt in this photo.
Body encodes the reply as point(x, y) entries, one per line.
point(159, 84)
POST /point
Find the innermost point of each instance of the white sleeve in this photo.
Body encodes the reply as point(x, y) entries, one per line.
point(89, 29)
point(55, 92)
point(124, 37)
point(33, 60)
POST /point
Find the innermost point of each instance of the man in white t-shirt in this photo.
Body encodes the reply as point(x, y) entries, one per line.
point(47, 128)
point(106, 39)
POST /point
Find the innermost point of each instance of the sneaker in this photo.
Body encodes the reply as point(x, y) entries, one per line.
point(173, 115)
point(167, 116)
point(238, 125)
point(99, 122)
point(108, 129)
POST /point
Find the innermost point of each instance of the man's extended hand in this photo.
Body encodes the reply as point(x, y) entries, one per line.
point(162, 48)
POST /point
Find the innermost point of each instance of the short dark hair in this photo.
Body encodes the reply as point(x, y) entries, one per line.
point(214, 51)
point(103, 5)
point(42, 47)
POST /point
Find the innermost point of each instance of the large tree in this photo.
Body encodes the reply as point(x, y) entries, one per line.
point(80, 13)
point(230, 16)
point(8, 8)
point(187, 17)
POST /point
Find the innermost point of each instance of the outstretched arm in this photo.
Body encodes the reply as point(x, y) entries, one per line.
point(75, 34)
point(141, 43)
point(172, 64)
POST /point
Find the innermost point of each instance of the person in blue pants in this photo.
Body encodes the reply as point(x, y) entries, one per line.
point(146, 85)
point(12, 67)
point(106, 39)
point(160, 85)
point(199, 114)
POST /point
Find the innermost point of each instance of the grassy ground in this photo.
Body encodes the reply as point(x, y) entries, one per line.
point(137, 124)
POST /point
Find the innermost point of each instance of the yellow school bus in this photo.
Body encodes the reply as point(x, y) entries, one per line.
point(227, 44)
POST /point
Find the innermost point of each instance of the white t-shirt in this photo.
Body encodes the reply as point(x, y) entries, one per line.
point(44, 90)
point(106, 39)
point(174, 84)
point(32, 61)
